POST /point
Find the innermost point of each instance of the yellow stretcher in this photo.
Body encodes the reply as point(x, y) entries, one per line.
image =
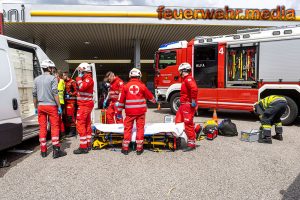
point(153, 142)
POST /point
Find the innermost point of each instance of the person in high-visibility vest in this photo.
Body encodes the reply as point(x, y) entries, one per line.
point(61, 92)
point(270, 110)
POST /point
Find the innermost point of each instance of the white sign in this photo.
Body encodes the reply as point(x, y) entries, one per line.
point(14, 14)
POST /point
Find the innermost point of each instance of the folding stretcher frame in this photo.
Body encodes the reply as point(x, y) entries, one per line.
point(111, 135)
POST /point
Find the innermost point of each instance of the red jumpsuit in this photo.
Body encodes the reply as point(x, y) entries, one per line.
point(52, 113)
point(185, 112)
point(133, 98)
point(70, 103)
point(116, 87)
point(85, 106)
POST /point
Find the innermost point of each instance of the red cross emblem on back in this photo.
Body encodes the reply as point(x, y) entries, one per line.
point(134, 89)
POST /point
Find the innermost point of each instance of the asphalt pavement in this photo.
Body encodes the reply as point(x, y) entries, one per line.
point(225, 168)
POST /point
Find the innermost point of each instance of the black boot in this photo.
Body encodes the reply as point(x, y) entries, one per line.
point(57, 152)
point(266, 140)
point(189, 149)
point(44, 154)
point(139, 152)
point(62, 135)
point(3, 161)
point(81, 151)
point(125, 152)
point(278, 137)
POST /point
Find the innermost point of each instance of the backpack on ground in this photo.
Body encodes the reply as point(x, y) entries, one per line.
point(227, 128)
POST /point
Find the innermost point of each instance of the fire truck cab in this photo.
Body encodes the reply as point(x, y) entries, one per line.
point(234, 71)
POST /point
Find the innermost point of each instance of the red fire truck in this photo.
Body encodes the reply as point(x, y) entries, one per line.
point(234, 71)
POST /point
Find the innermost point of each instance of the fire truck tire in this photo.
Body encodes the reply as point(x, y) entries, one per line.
point(291, 112)
point(174, 102)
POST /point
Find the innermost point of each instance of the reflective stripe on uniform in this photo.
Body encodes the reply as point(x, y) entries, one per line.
point(278, 124)
point(84, 99)
point(55, 138)
point(136, 106)
point(43, 143)
point(42, 139)
point(114, 96)
point(121, 104)
point(135, 100)
point(82, 138)
point(85, 94)
point(191, 141)
point(55, 142)
point(267, 127)
point(83, 142)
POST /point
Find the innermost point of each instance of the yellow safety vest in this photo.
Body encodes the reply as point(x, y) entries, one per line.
point(266, 102)
point(61, 90)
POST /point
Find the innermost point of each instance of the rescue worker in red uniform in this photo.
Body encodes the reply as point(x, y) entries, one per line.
point(188, 104)
point(133, 99)
point(116, 86)
point(47, 105)
point(70, 104)
point(85, 104)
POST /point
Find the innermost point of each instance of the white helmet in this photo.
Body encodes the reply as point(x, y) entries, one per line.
point(135, 73)
point(85, 67)
point(184, 67)
point(47, 63)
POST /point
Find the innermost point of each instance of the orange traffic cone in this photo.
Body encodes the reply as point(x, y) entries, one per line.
point(158, 106)
point(215, 117)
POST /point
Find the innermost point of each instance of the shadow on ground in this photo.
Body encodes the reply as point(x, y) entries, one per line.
point(15, 158)
point(293, 191)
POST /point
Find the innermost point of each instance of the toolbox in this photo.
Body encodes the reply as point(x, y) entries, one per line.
point(250, 136)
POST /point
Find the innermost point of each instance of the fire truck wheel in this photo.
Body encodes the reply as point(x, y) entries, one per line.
point(291, 112)
point(174, 102)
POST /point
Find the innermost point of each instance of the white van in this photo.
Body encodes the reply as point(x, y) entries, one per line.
point(20, 64)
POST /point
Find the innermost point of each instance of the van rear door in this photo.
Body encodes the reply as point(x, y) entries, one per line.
point(11, 131)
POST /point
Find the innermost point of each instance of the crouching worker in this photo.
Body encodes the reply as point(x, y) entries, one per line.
point(133, 98)
point(270, 110)
point(46, 102)
point(188, 104)
point(85, 104)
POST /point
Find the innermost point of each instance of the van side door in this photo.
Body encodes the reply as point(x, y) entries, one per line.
point(11, 131)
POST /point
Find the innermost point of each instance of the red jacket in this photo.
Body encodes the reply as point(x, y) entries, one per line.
point(85, 90)
point(116, 87)
point(189, 89)
point(133, 98)
point(71, 89)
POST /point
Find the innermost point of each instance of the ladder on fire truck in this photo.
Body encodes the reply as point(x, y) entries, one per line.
point(252, 34)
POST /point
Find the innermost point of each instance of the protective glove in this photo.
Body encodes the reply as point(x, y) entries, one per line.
point(80, 74)
point(193, 103)
point(94, 128)
point(67, 96)
point(59, 111)
point(117, 104)
point(119, 116)
point(104, 104)
point(35, 111)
